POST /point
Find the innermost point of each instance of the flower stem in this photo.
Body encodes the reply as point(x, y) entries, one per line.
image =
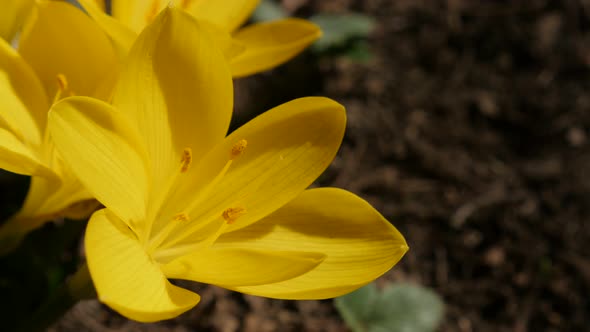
point(76, 288)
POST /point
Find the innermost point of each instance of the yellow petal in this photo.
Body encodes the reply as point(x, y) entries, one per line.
point(178, 89)
point(136, 14)
point(230, 47)
point(358, 242)
point(121, 35)
point(269, 44)
point(48, 199)
point(99, 4)
point(23, 103)
point(241, 266)
point(103, 150)
point(19, 158)
point(225, 14)
point(61, 39)
point(125, 278)
point(288, 147)
point(23, 108)
point(55, 193)
point(12, 17)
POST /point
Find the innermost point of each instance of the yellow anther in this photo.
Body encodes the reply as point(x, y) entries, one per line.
point(186, 159)
point(63, 89)
point(232, 214)
point(238, 148)
point(181, 217)
point(62, 82)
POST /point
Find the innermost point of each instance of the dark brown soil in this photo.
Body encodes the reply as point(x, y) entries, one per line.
point(469, 130)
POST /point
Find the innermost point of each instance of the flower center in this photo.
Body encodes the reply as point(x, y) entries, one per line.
point(164, 243)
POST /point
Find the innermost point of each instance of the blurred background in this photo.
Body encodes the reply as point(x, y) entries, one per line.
point(468, 125)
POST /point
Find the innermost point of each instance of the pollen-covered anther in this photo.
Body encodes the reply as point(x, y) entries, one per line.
point(62, 82)
point(186, 159)
point(63, 88)
point(238, 148)
point(180, 217)
point(230, 215)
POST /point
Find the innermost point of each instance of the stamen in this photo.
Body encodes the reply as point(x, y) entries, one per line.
point(62, 82)
point(63, 89)
point(167, 230)
point(186, 159)
point(232, 214)
point(229, 215)
point(238, 149)
point(181, 217)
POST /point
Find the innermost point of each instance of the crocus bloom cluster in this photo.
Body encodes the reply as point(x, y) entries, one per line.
point(253, 49)
point(185, 201)
point(64, 51)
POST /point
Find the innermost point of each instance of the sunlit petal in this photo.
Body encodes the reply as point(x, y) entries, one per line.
point(125, 277)
point(227, 14)
point(358, 242)
point(269, 44)
point(103, 150)
point(49, 199)
point(121, 35)
point(12, 17)
point(61, 39)
point(19, 158)
point(241, 266)
point(178, 89)
point(100, 4)
point(287, 148)
point(23, 103)
point(136, 14)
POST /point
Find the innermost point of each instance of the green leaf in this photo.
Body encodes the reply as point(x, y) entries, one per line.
point(340, 29)
point(399, 308)
point(356, 307)
point(359, 51)
point(268, 10)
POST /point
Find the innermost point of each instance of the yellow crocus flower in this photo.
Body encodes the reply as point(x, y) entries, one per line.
point(185, 201)
point(261, 46)
point(61, 52)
